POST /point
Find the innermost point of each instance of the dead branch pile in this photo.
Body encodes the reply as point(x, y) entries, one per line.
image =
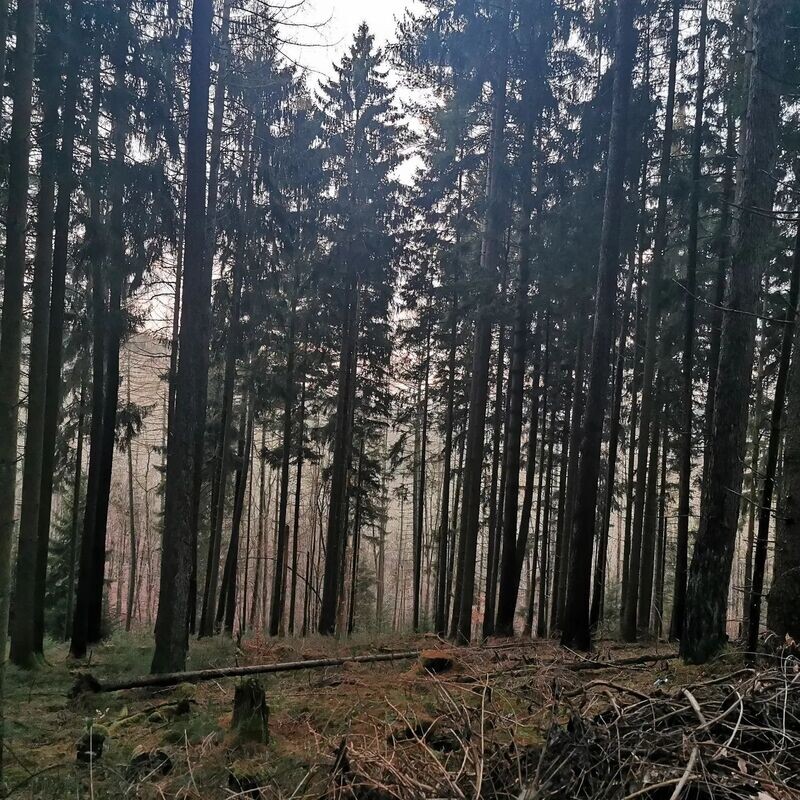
point(732, 737)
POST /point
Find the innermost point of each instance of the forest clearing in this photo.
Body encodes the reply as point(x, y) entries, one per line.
point(510, 720)
point(400, 399)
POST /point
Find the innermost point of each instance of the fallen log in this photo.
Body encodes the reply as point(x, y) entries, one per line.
point(87, 683)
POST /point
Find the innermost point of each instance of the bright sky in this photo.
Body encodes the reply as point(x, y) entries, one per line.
point(337, 21)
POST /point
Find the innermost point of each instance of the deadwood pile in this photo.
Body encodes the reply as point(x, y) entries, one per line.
point(730, 737)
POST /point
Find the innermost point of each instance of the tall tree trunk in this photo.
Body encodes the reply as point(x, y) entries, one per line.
point(185, 442)
point(232, 560)
point(561, 527)
point(11, 323)
point(80, 625)
point(576, 415)
point(511, 565)
point(576, 631)
point(53, 391)
point(507, 602)
point(654, 279)
point(601, 564)
point(687, 362)
point(541, 620)
point(27, 634)
point(453, 589)
point(493, 544)
point(528, 629)
point(421, 471)
point(297, 494)
point(783, 611)
point(351, 608)
point(756, 427)
point(650, 522)
point(442, 582)
point(489, 261)
point(723, 248)
point(223, 454)
point(74, 514)
point(770, 469)
point(661, 556)
point(115, 324)
point(278, 608)
point(707, 594)
point(260, 525)
point(131, 520)
point(337, 507)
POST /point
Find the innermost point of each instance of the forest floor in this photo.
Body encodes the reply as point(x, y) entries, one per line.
point(516, 719)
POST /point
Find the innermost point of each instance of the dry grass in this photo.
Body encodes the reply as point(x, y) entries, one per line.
point(507, 717)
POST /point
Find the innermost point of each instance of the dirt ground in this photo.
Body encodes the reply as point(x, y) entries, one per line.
point(476, 728)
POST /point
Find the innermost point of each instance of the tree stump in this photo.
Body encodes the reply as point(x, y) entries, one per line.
point(251, 712)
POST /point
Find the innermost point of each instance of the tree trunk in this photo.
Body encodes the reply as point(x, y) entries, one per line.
point(489, 260)
point(115, 324)
point(80, 625)
point(337, 507)
point(232, 560)
point(541, 620)
point(492, 550)
point(13, 293)
point(516, 545)
point(512, 555)
point(601, 565)
point(421, 469)
point(74, 514)
point(223, 455)
point(709, 574)
point(442, 582)
point(576, 415)
point(27, 634)
point(770, 469)
point(783, 611)
point(576, 630)
point(260, 521)
point(185, 442)
point(650, 522)
point(297, 494)
point(654, 280)
point(53, 390)
point(278, 608)
point(131, 521)
point(687, 362)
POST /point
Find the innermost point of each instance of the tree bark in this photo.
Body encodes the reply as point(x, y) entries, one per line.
point(74, 513)
point(80, 625)
point(601, 565)
point(232, 347)
point(27, 634)
point(493, 544)
point(707, 594)
point(442, 582)
point(185, 440)
point(337, 507)
point(278, 608)
point(490, 253)
point(421, 469)
point(687, 358)
point(11, 323)
point(53, 390)
point(654, 280)
point(576, 631)
point(773, 445)
point(515, 544)
point(541, 620)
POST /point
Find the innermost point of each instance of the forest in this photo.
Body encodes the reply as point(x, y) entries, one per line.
point(475, 351)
